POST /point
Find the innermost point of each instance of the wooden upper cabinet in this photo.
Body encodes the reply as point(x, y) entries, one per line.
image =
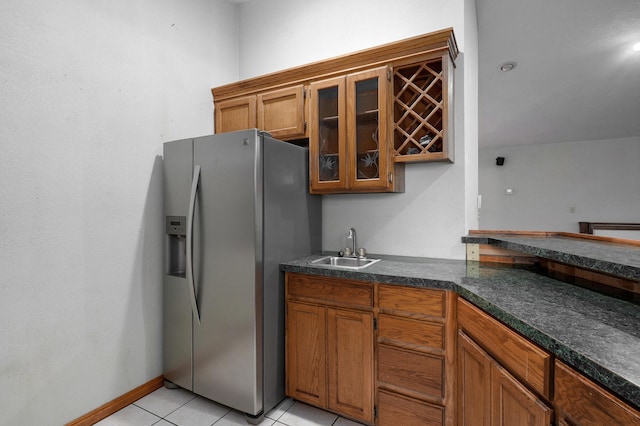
point(282, 112)
point(279, 112)
point(349, 138)
point(327, 136)
point(395, 106)
point(423, 109)
point(235, 114)
point(368, 136)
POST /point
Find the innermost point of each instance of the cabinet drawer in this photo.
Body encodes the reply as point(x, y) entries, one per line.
point(410, 333)
point(333, 291)
point(394, 410)
point(581, 401)
point(522, 358)
point(420, 373)
point(411, 301)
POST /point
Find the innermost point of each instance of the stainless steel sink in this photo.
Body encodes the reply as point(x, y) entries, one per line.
point(353, 263)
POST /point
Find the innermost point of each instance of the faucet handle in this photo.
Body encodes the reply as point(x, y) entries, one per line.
point(362, 252)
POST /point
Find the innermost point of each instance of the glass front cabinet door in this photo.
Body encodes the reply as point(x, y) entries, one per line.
point(349, 148)
point(327, 136)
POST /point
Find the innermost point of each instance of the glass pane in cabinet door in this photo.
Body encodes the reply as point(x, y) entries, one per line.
point(329, 150)
point(367, 129)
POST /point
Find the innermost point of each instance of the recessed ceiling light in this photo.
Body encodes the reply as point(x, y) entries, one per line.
point(507, 66)
point(636, 47)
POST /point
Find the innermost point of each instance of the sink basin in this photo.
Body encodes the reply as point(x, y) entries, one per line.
point(353, 263)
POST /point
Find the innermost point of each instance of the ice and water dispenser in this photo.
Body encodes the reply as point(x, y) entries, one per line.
point(176, 245)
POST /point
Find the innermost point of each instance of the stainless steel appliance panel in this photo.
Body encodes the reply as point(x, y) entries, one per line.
point(292, 228)
point(177, 318)
point(228, 341)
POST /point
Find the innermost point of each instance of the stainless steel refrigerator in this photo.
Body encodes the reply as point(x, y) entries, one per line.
point(236, 205)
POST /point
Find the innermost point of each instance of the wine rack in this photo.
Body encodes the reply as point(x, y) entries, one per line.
point(420, 112)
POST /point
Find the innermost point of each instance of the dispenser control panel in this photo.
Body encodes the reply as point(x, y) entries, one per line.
point(176, 225)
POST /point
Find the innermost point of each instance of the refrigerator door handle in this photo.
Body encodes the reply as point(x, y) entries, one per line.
point(192, 207)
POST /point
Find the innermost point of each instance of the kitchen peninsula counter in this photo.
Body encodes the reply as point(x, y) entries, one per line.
point(596, 334)
point(612, 256)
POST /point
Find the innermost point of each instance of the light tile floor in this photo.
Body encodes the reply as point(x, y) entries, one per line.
point(170, 407)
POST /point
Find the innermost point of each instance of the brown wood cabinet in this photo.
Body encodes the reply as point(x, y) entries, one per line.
point(423, 109)
point(581, 402)
point(366, 113)
point(503, 379)
point(282, 113)
point(416, 356)
point(235, 114)
point(349, 138)
point(329, 344)
point(306, 353)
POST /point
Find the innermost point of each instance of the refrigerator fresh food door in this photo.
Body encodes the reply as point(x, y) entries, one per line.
point(227, 263)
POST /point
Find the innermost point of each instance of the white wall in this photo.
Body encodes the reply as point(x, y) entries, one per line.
point(560, 184)
point(88, 92)
point(431, 216)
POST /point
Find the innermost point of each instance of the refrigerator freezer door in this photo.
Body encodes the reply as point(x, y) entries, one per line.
point(228, 342)
point(176, 312)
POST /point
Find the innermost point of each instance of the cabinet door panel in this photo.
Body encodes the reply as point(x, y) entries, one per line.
point(281, 112)
point(327, 136)
point(368, 119)
point(235, 114)
point(306, 356)
point(350, 363)
point(474, 383)
point(583, 403)
point(514, 405)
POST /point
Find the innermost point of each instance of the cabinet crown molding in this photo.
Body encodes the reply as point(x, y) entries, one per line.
point(434, 42)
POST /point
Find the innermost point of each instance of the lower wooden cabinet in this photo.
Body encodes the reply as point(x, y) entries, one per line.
point(581, 402)
point(489, 395)
point(427, 358)
point(416, 356)
point(503, 379)
point(329, 345)
point(395, 409)
point(350, 363)
point(306, 353)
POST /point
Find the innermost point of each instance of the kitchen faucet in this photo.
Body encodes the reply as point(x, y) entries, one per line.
point(352, 235)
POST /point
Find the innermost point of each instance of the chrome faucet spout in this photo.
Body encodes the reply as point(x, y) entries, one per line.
point(352, 235)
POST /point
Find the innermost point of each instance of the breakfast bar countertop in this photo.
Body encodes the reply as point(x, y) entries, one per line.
point(597, 334)
point(606, 255)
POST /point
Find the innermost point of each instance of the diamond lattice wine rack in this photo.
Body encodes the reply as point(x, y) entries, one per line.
point(420, 112)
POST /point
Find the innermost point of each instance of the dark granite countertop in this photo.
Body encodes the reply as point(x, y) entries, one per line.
point(613, 258)
point(596, 334)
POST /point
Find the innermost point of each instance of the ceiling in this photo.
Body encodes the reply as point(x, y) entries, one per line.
point(577, 77)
